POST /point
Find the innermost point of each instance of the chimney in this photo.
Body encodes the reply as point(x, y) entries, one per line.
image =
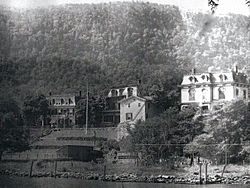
point(235, 68)
point(210, 69)
point(139, 82)
point(193, 71)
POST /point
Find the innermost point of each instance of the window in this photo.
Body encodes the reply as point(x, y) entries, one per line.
point(70, 101)
point(129, 105)
point(139, 104)
point(130, 91)
point(191, 93)
point(221, 93)
point(147, 116)
point(114, 93)
point(129, 116)
point(237, 92)
point(221, 78)
point(59, 111)
point(108, 118)
point(205, 109)
point(121, 92)
point(244, 94)
point(62, 101)
point(204, 94)
point(53, 101)
point(71, 111)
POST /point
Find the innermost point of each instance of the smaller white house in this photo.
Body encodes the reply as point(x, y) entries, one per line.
point(135, 108)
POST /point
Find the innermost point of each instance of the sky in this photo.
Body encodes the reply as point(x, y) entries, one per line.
point(225, 6)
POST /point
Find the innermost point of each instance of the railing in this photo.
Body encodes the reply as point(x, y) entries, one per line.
point(32, 156)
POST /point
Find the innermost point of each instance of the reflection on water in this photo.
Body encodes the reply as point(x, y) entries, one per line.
point(14, 182)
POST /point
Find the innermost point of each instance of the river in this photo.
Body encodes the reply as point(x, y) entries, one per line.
point(25, 182)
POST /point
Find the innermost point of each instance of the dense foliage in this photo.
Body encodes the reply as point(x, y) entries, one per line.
point(226, 134)
point(59, 48)
point(12, 135)
point(96, 105)
point(164, 137)
point(35, 110)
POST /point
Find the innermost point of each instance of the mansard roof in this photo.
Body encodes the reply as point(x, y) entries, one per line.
point(215, 78)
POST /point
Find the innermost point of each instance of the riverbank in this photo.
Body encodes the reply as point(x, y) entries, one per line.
point(234, 174)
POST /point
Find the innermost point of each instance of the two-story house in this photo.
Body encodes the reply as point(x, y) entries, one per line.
point(210, 89)
point(63, 109)
point(136, 108)
point(111, 115)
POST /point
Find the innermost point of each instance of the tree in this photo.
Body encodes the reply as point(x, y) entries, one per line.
point(96, 105)
point(164, 137)
point(35, 110)
point(12, 135)
point(224, 134)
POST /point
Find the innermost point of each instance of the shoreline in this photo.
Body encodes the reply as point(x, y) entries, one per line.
point(130, 177)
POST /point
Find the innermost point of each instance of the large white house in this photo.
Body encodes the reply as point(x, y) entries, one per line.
point(210, 89)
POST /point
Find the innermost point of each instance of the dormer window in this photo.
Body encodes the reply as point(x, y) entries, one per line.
point(225, 77)
point(121, 92)
point(114, 93)
point(130, 91)
point(221, 78)
point(205, 77)
point(193, 79)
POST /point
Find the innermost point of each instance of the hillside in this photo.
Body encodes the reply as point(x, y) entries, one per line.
point(217, 41)
point(58, 48)
point(111, 44)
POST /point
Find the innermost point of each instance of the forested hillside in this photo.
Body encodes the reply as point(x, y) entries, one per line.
point(217, 41)
point(58, 48)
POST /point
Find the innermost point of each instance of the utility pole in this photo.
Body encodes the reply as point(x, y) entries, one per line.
point(87, 107)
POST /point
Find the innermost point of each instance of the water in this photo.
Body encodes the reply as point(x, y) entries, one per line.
point(25, 182)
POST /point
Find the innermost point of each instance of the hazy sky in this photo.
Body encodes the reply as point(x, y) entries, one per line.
point(225, 6)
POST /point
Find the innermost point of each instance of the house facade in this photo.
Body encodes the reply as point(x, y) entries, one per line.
point(209, 90)
point(111, 115)
point(62, 109)
point(135, 108)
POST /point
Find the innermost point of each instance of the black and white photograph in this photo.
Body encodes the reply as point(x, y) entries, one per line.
point(124, 93)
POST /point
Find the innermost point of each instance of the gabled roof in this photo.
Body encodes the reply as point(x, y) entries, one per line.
point(130, 98)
